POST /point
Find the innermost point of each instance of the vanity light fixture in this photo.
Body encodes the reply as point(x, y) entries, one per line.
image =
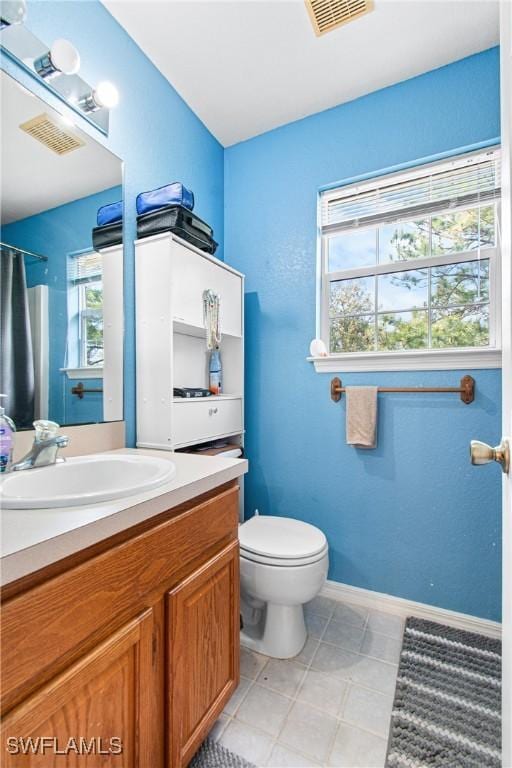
point(105, 95)
point(12, 12)
point(56, 66)
point(62, 58)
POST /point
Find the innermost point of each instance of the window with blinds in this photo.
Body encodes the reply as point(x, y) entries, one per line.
point(85, 268)
point(86, 295)
point(410, 261)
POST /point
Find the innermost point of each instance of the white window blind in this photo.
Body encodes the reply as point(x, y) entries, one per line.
point(85, 268)
point(462, 183)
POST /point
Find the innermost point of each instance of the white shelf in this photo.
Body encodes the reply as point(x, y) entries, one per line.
point(179, 326)
point(209, 439)
point(83, 373)
point(171, 345)
point(409, 360)
point(209, 398)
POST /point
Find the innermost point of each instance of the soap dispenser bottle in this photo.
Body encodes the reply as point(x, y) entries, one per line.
point(7, 437)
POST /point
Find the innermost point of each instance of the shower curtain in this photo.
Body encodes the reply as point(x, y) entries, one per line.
point(16, 359)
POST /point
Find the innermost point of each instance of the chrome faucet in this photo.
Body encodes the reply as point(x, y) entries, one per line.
point(44, 449)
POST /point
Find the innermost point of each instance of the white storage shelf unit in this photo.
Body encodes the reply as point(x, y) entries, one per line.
point(170, 278)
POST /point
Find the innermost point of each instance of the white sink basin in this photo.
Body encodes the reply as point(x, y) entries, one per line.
point(84, 480)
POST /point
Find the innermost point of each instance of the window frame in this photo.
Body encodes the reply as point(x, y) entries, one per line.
point(76, 354)
point(83, 314)
point(408, 359)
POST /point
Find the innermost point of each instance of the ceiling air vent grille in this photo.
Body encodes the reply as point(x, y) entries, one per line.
point(53, 136)
point(329, 14)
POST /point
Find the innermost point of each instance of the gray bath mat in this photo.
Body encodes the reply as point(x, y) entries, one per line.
point(447, 707)
point(213, 755)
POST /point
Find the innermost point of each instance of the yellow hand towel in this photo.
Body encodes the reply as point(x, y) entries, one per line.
point(362, 416)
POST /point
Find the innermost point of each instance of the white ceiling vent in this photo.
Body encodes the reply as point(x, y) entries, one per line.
point(52, 135)
point(329, 14)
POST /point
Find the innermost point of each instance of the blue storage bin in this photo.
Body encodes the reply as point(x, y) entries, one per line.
point(170, 194)
point(109, 214)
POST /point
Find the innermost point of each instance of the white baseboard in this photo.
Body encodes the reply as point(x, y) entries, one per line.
point(401, 607)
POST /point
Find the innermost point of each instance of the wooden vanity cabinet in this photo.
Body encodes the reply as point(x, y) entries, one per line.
point(203, 651)
point(131, 647)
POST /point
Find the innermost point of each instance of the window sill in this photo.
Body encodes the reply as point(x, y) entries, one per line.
point(411, 360)
point(83, 373)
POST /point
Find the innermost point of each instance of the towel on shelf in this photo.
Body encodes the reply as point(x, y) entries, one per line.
point(361, 416)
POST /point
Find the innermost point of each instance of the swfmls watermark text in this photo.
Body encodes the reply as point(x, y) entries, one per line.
point(51, 745)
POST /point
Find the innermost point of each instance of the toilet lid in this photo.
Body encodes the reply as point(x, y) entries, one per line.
point(280, 537)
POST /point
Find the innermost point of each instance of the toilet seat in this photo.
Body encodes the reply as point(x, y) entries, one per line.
point(281, 541)
point(288, 562)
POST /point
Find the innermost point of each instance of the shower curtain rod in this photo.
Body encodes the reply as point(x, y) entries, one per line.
point(22, 251)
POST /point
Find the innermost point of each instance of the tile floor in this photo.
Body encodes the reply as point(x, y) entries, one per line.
point(330, 705)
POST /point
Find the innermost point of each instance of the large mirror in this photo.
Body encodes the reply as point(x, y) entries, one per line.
point(61, 271)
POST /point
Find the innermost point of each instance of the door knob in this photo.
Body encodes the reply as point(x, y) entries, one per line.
point(481, 453)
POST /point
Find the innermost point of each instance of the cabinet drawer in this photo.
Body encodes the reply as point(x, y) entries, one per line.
point(205, 419)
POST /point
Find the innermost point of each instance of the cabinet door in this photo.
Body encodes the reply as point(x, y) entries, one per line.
point(102, 710)
point(191, 275)
point(204, 651)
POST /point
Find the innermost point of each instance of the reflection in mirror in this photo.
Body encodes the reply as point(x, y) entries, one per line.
point(61, 314)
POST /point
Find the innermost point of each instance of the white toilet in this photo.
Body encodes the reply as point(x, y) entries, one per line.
point(283, 564)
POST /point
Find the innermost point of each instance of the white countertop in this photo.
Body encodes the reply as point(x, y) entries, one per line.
point(34, 538)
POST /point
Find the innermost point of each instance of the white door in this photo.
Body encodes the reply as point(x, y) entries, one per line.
point(480, 452)
point(506, 249)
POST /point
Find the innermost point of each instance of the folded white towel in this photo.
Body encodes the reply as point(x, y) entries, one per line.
point(362, 416)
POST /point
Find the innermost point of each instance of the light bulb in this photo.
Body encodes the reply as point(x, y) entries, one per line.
point(62, 58)
point(12, 12)
point(104, 96)
point(65, 57)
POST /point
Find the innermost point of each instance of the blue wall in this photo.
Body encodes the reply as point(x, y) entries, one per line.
point(57, 233)
point(152, 130)
point(411, 518)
